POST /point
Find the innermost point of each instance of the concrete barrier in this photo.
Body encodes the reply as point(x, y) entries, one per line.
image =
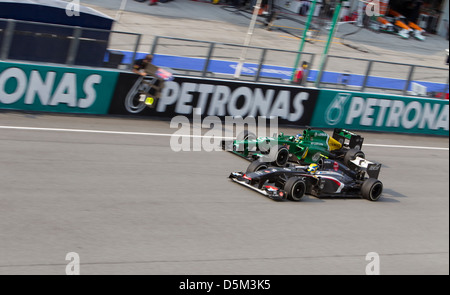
point(384, 113)
point(55, 89)
point(32, 87)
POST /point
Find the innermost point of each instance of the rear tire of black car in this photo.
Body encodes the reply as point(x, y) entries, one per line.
point(351, 154)
point(295, 189)
point(372, 189)
point(281, 157)
point(256, 166)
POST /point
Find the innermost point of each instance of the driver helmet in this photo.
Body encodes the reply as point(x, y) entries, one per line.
point(298, 137)
point(313, 168)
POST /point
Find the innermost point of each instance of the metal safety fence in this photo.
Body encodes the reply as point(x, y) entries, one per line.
point(213, 59)
point(367, 75)
point(63, 44)
point(220, 60)
point(77, 46)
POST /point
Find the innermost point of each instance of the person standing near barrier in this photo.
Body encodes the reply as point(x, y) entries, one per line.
point(301, 75)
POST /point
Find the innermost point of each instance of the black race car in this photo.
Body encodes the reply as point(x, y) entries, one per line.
point(328, 178)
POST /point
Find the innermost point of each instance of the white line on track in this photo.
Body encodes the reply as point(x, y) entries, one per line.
point(99, 131)
point(407, 147)
point(187, 135)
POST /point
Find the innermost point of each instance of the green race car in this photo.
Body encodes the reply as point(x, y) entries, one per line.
point(306, 148)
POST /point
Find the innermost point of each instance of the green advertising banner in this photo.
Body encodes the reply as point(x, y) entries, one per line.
point(55, 89)
point(377, 112)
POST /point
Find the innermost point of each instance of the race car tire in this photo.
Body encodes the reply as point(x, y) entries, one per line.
point(372, 189)
point(281, 156)
point(256, 166)
point(295, 189)
point(246, 135)
point(351, 155)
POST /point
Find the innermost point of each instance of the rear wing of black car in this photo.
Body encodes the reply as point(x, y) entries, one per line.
point(372, 169)
point(347, 138)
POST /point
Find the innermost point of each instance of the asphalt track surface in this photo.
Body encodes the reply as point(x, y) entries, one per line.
point(112, 190)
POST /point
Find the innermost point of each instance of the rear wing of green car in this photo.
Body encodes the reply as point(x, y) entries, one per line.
point(347, 138)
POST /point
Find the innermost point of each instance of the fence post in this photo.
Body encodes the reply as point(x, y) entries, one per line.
point(261, 62)
point(311, 60)
point(7, 39)
point(322, 69)
point(366, 77)
point(411, 72)
point(73, 49)
point(446, 86)
point(136, 48)
point(310, 66)
point(208, 59)
point(155, 44)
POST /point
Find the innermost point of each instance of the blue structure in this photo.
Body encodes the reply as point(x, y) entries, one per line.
point(33, 40)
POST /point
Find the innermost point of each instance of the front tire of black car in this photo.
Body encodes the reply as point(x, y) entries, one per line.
point(295, 189)
point(256, 166)
point(351, 154)
point(372, 189)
